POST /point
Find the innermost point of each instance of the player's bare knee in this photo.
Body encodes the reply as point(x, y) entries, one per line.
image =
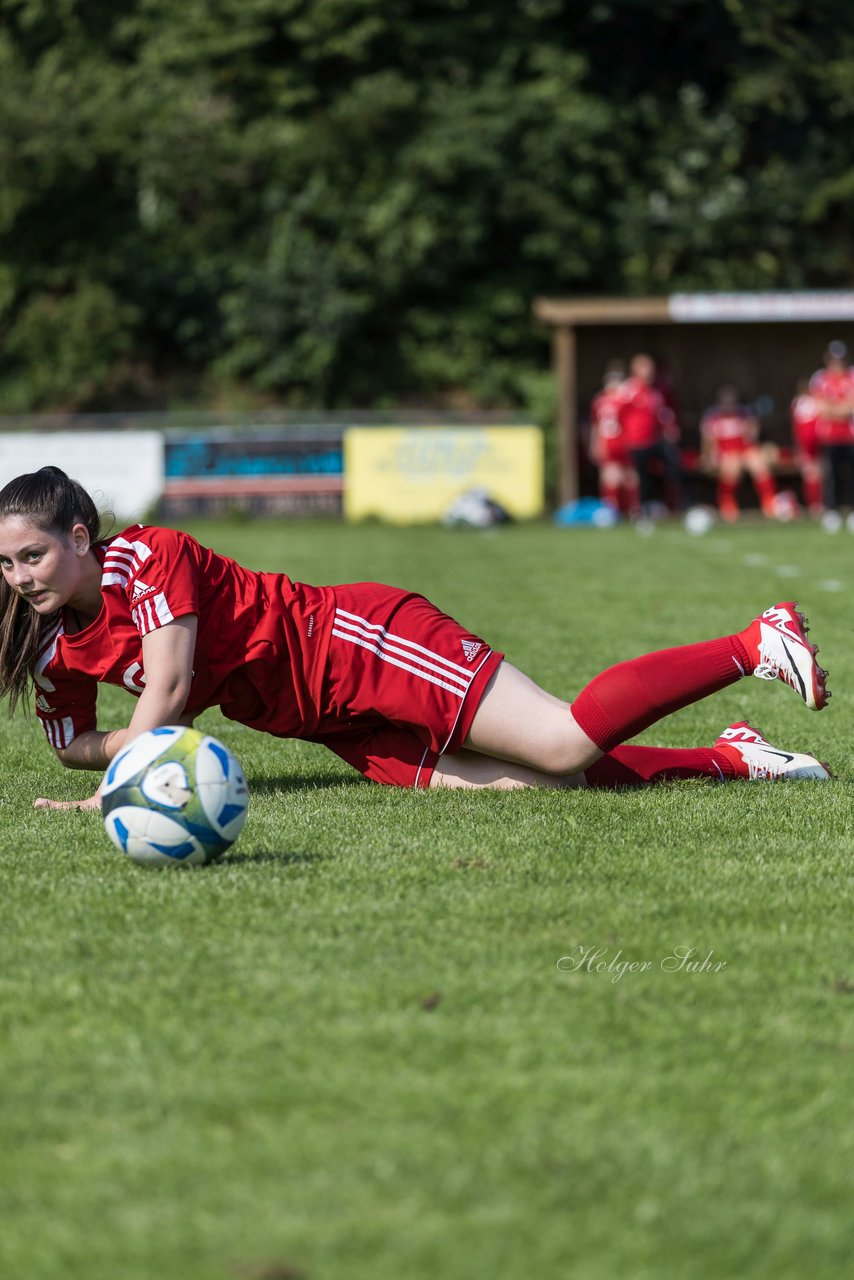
point(561, 754)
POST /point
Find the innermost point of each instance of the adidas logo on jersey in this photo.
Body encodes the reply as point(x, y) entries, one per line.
point(140, 589)
point(43, 705)
point(471, 648)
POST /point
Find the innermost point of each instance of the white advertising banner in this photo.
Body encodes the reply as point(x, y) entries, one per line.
point(821, 304)
point(122, 470)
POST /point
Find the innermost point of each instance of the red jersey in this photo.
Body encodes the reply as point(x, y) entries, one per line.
point(836, 386)
point(805, 415)
point(610, 444)
point(260, 650)
point(730, 430)
point(380, 676)
point(643, 413)
point(605, 414)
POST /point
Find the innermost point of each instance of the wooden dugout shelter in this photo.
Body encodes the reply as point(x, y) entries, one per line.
point(775, 355)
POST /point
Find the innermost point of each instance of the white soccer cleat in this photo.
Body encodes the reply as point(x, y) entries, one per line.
point(755, 759)
point(779, 644)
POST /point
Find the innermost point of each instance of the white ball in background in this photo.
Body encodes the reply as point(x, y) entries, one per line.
point(698, 520)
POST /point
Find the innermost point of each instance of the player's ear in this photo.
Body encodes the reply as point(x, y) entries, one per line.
point(80, 539)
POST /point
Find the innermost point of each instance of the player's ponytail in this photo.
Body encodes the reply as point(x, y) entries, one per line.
point(55, 504)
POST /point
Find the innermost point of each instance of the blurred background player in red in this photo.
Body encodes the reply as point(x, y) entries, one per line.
point(651, 433)
point(729, 441)
point(833, 388)
point(618, 479)
point(805, 410)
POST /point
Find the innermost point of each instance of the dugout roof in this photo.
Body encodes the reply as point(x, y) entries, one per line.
point(765, 311)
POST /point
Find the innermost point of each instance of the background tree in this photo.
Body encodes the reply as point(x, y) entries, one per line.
point(339, 202)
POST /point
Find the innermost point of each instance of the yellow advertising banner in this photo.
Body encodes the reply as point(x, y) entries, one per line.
point(411, 475)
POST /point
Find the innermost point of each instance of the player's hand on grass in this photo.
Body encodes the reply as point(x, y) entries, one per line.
point(93, 802)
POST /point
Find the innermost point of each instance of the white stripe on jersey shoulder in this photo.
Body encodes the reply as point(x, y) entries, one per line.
point(151, 613)
point(45, 657)
point(140, 549)
point(121, 557)
point(164, 613)
point(51, 634)
point(122, 560)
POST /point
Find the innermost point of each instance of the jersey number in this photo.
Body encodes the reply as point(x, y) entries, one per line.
point(130, 678)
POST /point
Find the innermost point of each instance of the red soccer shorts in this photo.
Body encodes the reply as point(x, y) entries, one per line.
point(613, 449)
point(809, 452)
point(403, 682)
point(733, 448)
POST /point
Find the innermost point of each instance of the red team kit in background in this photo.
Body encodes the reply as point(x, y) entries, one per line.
point(378, 675)
point(835, 386)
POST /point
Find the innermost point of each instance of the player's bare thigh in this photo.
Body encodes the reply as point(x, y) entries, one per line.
point(731, 467)
point(611, 473)
point(756, 462)
point(470, 769)
point(520, 723)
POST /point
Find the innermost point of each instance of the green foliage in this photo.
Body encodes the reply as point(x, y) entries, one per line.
point(66, 343)
point(350, 200)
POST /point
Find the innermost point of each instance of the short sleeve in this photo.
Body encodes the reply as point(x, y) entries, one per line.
point(65, 700)
point(159, 571)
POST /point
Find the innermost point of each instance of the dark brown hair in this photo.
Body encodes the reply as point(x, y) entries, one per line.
point(55, 504)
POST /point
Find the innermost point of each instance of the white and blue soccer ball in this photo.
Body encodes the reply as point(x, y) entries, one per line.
point(174, 797)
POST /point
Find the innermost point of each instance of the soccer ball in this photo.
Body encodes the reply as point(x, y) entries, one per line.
point(698, 520)
point(174, 797)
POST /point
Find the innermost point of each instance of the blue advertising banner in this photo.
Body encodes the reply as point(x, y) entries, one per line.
point(294, 471)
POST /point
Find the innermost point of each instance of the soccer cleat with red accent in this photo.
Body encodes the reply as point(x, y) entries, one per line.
point(777, 642)
point(755, 759)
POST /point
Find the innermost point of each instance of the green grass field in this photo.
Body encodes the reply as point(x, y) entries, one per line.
point(348, 1050)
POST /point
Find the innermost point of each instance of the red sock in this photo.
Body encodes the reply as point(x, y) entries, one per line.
point(727, 499)
point(631, 696)
point(812, 492)
point(642, 766)
point(610, 493)
point(630, 498)
point(766, 490)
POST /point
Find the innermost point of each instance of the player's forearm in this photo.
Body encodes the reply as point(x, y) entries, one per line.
point(92, 750)
point(158, 705)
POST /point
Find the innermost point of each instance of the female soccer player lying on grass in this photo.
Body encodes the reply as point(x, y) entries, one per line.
point(378, 675)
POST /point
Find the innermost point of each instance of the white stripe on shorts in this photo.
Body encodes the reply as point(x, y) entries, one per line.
point(374, 647)
point(388, 643)
point(459, 713)
point(341, 615)
point(421, 766)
